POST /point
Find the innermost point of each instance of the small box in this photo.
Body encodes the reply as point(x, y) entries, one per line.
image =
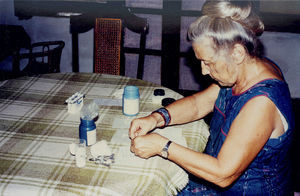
point(75, 103)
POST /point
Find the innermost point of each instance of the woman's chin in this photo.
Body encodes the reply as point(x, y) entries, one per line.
point(224, 84)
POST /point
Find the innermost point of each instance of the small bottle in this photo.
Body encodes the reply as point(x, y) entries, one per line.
point(87, 131)
point(131, 101)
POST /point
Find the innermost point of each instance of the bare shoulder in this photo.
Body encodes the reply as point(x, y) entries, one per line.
point(210, 93)
point(271, 70)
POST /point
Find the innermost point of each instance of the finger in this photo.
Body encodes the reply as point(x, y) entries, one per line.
point(132, 148)
point(131, 136)
point(138, 133)
point(132, 131)
point(141, 132)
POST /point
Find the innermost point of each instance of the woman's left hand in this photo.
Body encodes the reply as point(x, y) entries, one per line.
point(148, 145)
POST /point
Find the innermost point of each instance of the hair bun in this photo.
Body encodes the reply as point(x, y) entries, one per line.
point(238, 11)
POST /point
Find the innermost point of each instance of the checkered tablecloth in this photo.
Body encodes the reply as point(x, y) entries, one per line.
point(36, 130)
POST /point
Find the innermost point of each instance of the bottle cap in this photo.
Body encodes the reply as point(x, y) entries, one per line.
point(159, 92)
point(167, 101)
point(131, 92)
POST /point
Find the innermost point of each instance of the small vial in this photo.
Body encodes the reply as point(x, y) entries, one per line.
point(131, 101)
point(80, 153)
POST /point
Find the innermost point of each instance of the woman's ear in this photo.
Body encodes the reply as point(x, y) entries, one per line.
point(238, 53)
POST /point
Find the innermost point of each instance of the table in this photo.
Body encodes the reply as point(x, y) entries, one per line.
point(36, 130)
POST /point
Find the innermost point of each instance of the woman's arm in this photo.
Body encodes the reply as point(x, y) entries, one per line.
point(194, 107)
point(181, 111)
point(248, 134)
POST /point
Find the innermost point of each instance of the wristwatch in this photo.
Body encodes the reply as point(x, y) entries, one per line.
point(164, 152)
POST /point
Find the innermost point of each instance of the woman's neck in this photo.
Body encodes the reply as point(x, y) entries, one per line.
point(249, 74)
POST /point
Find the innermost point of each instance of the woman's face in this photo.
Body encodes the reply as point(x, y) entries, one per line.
point(219, 66)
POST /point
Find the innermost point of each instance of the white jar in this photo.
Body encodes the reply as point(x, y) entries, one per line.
point(131, 101)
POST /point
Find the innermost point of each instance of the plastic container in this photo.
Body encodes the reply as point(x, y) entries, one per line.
point(131, 101)
point(87, 131)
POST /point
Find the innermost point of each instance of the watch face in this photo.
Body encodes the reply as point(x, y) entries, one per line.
point(164, 154)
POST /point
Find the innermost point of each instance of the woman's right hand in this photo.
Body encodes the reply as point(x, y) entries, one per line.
point(141, 126)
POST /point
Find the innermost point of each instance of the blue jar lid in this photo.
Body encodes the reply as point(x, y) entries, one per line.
point(131, 92)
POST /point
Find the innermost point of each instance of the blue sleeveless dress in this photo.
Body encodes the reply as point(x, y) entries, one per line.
point(269, 172)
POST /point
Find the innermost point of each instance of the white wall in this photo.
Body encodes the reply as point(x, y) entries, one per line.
point(284, 50)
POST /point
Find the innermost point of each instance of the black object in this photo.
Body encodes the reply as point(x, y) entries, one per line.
point(295, 147)
point(159, 92)
point(167, 101)
point(43, 57)
point(12, 39)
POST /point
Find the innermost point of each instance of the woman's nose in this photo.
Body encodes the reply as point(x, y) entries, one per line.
point(204, 68)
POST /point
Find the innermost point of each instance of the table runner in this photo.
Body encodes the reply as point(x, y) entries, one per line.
point(35, 131)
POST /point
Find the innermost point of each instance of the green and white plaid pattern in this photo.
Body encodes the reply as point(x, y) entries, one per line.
point(36, 130)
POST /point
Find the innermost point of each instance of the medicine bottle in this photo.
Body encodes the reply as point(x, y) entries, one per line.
point(87, 131)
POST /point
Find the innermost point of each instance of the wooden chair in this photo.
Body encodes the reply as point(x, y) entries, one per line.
point(108, 35)
point(109, 49)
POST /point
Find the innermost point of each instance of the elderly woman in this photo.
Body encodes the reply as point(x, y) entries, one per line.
point(247, 152)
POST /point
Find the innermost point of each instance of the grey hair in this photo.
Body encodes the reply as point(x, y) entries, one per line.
point(228, 23)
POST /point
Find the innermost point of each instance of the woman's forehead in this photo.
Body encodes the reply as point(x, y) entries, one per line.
point(203, 49)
